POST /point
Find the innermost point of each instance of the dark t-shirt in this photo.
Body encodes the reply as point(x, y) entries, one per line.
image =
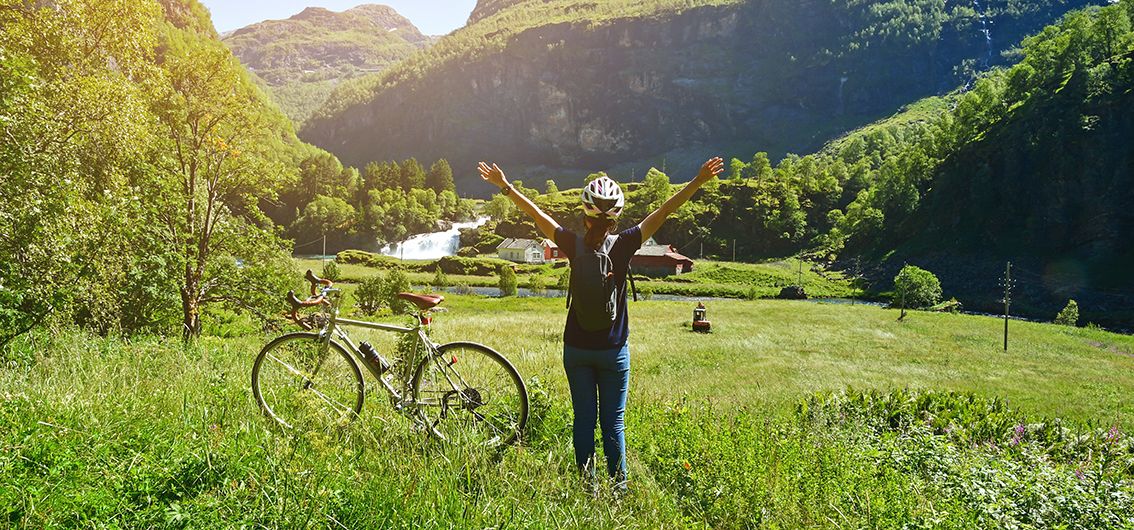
point(629, 241)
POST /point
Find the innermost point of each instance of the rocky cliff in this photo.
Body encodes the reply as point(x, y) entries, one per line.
point(302, 59)
point(772, 75)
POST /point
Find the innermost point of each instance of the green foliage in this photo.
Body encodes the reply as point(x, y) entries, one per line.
point(537, 283)
point(508, 282)
point(440, 280)
point(440, 177)
point(141, 151)
point(331, 271)
point(916, 288)
point(1069, 315)
point(371, 294)
point(396, 282)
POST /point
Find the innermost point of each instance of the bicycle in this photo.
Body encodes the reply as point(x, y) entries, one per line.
point(460, 391)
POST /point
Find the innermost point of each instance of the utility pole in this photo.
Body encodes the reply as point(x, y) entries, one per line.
point(856, 278)
point(702, 254)
point(799, 276)
point(324, 256)
point(734, 250)
point(1008, 283)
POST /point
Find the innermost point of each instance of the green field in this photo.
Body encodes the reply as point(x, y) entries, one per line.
point(103, 432)
point(721, 279)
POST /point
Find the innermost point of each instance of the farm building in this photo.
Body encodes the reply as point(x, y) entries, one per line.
point(660, 260)
point(529, 250)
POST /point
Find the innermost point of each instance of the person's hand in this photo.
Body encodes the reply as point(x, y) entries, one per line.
point(709, 170)
point(492, 175)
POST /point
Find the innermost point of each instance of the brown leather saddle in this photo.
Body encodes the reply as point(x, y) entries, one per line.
point(422, 301)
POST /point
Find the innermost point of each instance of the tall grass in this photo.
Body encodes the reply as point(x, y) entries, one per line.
point(107, 432)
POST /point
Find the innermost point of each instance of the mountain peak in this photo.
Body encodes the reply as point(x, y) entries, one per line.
point(312, 13)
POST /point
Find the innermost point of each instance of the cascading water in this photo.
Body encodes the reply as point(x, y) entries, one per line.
point(986, 30)
point(433, 245)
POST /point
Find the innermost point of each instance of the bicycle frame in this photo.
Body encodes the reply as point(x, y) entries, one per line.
point(334, 329)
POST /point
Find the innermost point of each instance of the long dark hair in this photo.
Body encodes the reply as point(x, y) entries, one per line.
point(597, 232)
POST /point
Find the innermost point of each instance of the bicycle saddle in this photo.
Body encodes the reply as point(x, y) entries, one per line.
point(422, 301)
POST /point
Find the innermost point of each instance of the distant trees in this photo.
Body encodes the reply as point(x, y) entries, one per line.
point(440, 177)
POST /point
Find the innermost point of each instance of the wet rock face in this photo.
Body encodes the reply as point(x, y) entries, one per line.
point(759, 76)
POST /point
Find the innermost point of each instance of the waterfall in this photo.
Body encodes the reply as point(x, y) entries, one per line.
point(433, 245)
point(986, 30)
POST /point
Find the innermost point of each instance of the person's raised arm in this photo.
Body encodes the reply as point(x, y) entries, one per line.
point(495, 176)
point(650, 225)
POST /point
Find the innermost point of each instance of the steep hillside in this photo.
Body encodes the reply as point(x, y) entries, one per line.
point(573, 86)
point(1031, 164)
point(301, 59)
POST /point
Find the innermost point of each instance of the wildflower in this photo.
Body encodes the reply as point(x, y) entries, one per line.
point(1080, 475)
point(687, 466)
point(1020, 429)
point(1113, 434)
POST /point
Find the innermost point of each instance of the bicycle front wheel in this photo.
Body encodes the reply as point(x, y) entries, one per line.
point(469, 393)
point(305, 383)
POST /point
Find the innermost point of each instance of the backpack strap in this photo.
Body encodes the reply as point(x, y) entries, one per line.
point(630, 278)
point(580, 245)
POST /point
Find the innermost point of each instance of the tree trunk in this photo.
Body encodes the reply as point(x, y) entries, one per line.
point(190, 307)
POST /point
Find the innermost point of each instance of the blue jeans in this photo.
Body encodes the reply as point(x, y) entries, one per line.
point(599, 381)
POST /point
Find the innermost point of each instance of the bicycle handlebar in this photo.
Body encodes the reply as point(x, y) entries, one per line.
point(316, 281)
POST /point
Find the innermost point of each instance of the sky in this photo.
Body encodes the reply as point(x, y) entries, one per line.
point(432, 17)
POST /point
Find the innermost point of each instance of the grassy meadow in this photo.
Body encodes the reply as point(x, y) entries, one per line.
point(724, 279)
point(750, 426)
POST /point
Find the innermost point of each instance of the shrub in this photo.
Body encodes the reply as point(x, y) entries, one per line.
point(1069, 316)
point(331, 271)
point(564, 280)
point(537, 283)
point(463, 288)
point(370, 294)
point(440, 280)
point(508, 282)
point(369, 259)
point(916, 288)
point(396, 282)
point(469, 266)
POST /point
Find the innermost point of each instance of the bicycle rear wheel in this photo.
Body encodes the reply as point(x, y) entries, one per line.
point(303, 383)
point(469, 393)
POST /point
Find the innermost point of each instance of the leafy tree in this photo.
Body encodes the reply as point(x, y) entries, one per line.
point(215, 157)
point(412, 175)
point(1069, 316)
point(440, 178)
point(916, 288)
point(324, 215)
point(440, 280)
point(508, 283)
point(736, 169)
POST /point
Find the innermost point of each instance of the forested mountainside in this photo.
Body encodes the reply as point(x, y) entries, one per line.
point(303, 58)
point(571, 86)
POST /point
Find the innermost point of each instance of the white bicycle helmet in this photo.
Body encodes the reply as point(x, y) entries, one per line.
point(603, 198)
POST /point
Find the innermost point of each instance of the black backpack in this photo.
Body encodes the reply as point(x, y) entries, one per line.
point(592, 291)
